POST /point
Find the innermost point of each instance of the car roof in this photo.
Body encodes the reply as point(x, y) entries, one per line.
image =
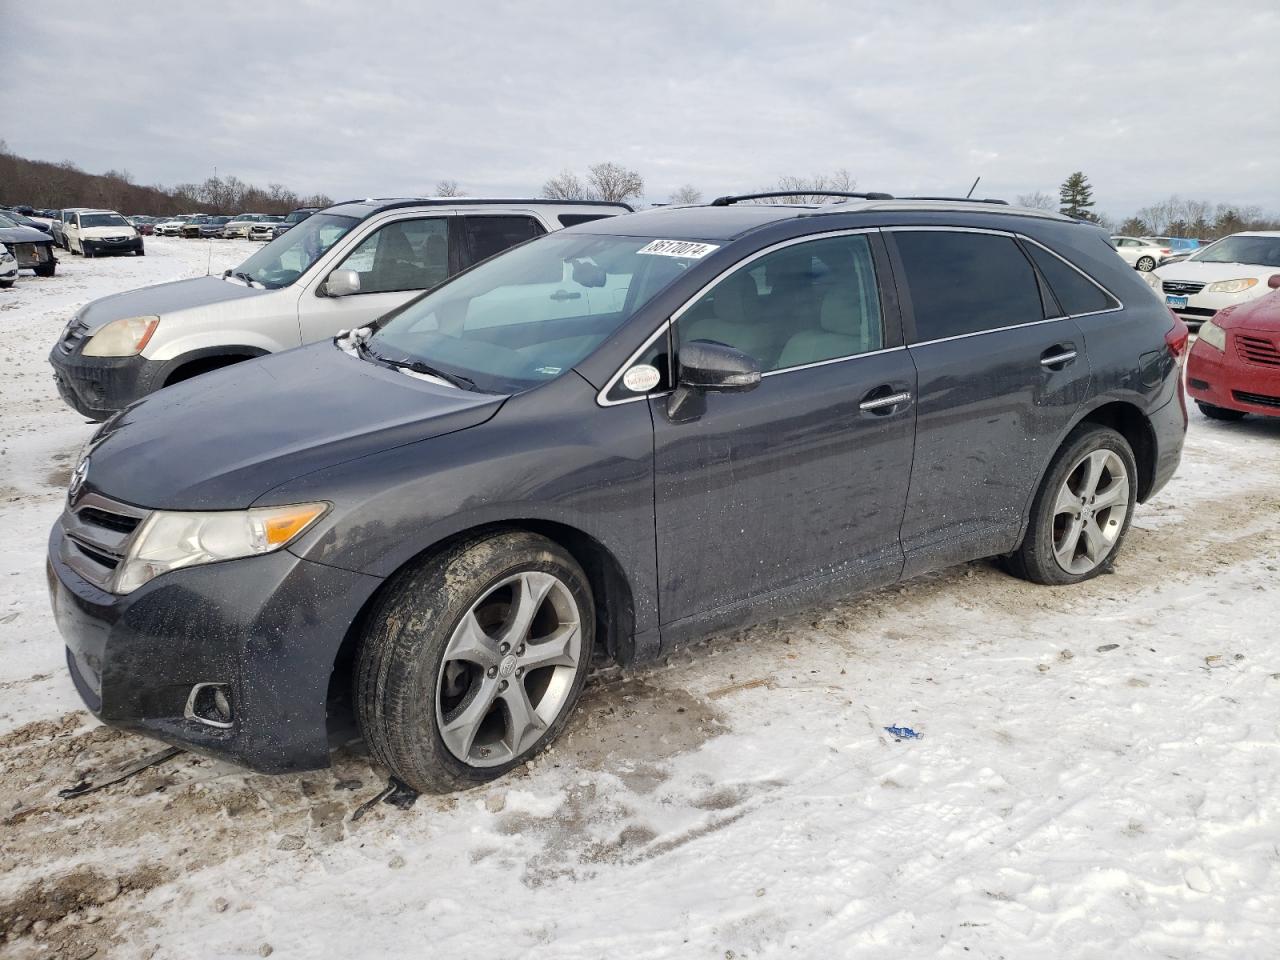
point(372, 205)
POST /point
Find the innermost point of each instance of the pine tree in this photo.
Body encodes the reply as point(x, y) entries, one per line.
point(1075, 198)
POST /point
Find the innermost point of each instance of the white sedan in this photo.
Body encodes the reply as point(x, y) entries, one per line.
point(1141, 253)
point(8, 267)
point(1233, 270)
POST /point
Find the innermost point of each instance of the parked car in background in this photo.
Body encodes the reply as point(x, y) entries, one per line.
point(22, 220)
point(191, 229)
point(295, 217)
point(59, 226)
point(213, 227)
point(1232, 270)
point(1140, 253)
point(265, 229)
point(97, 233)
point(339, 269)
point(8, 267)
point(238, 227)
point(144, 225)
point(31, 248)
point(1234, 366)
point(172, 226)
point(722, 414)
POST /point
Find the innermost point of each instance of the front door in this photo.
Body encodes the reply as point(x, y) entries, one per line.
point(1000, 379)
point(800, 483)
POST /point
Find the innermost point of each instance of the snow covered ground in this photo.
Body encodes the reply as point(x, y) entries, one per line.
point(1098, 772)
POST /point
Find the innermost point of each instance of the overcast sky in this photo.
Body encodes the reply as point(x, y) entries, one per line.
point(379, 98)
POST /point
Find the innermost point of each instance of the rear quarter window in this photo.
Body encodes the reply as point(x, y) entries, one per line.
point(1075, 292)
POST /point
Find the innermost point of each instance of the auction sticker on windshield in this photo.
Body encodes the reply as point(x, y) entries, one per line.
point(687, 249)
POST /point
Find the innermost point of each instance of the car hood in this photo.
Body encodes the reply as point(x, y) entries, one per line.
point(222, 440)
point(1200, 272)
point(1260, 314)
point(23, 235)
point(95, 232)
point(164, 298)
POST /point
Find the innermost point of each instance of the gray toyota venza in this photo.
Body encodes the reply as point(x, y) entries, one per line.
point(597, 446)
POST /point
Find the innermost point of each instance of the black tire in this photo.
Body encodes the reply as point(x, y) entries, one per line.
point(46, 269)
point(6, 284)
point(1035, 559)
point(87, 253)
point(1150, 264)
point(1219, 413)
point(398, 675)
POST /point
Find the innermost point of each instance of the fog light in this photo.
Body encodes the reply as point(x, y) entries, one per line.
point(210, 704)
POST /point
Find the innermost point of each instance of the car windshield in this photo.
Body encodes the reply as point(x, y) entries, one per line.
point(1262, 251)
point(291, 254)
point(7, 221)
point(103, 220)
point(528, 315)
point(297, 216)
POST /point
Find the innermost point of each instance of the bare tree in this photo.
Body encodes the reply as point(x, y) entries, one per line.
point(806, 189)
point(565, 186)
point(449, 188)
point(614, 182)
point(688, 194)
point(1038, 201)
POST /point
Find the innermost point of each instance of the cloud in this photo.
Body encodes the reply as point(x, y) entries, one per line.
point(383, 99)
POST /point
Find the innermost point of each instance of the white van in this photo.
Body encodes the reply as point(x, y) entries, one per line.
point(338, 269)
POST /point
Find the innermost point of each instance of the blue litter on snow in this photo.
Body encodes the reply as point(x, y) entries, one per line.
point(904, 733)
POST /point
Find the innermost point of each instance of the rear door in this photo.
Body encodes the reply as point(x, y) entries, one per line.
point(1001, 376)
point(395, 262)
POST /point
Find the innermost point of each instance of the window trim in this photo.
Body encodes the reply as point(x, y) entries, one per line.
point(884, 285)
point(1018, 239)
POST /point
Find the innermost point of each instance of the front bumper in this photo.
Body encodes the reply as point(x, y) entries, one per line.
point(102, 248)
point(97, 387)
point(267, 628)
point(31, 256)
point(1203, 306)
point(1222, 379)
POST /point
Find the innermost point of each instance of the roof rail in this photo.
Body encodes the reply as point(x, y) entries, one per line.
point(726, 201)
point(1003, 203)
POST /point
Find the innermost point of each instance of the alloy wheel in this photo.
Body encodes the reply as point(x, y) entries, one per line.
point(1090, 510)
point(508, 669)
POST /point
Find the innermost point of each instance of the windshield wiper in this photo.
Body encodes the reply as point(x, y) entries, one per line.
point(417, 366)
point(240, 274)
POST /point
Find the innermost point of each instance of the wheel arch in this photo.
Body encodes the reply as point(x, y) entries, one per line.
point(206, 359)
point(1128, 420)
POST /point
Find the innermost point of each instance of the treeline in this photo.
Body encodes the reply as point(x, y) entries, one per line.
point(57, 185)
point(1178, 217)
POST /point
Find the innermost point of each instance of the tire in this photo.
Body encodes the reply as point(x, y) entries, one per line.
point(6, 284)
point(1146, 264)
point(1219, 413)
point(1070, 536)
point(46, 270)
point(430, 651)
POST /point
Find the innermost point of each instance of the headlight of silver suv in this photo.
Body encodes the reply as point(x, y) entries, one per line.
point(1232, 286)
point(1213, 335)
point(168, 540)
point(122, 338)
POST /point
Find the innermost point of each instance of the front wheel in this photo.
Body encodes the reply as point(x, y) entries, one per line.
point(6, 284)
point(1146, 264)
point(1219, 413)
point(473, 661)
point(1082, 510)
point(46, 269)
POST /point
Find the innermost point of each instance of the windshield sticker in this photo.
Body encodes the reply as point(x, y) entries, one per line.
point(687, 249)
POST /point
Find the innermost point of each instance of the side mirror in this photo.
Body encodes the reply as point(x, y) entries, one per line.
point(707, 367)
point(342, 283)
point(1273, 281)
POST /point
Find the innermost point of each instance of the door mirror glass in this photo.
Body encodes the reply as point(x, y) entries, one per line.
point(342, 283)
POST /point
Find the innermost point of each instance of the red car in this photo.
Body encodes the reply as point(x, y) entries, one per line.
point(1234, 367)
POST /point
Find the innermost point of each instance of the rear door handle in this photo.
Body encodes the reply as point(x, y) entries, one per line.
point(1059, 355)
point(883, 404)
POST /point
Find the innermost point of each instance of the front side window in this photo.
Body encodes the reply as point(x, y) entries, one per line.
point(1075, 293)
point(802, 304)
point(486, 236)
point(962, 283)
point(290, 255)
point(403, 255)
point(532, 313)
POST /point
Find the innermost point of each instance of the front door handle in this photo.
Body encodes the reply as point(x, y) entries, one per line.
point(1058, 356)
point(885, 403)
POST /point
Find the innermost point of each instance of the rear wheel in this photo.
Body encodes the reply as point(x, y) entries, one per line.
point(46, 269)
point(1082, 510)
point(1146, 264)
point(473, 661)
point(1219, 413)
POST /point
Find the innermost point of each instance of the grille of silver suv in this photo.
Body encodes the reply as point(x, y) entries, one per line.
point(98, 531)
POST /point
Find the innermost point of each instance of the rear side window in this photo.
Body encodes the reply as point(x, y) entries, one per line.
point(573, 219)
point(486, 236)
point(964, 283)
point(1075, 293)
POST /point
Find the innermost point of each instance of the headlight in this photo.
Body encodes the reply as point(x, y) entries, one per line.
point(1153, 281)
point(122, 338)
point(170, 540)
point(1232, 286)
point(1213, 335)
